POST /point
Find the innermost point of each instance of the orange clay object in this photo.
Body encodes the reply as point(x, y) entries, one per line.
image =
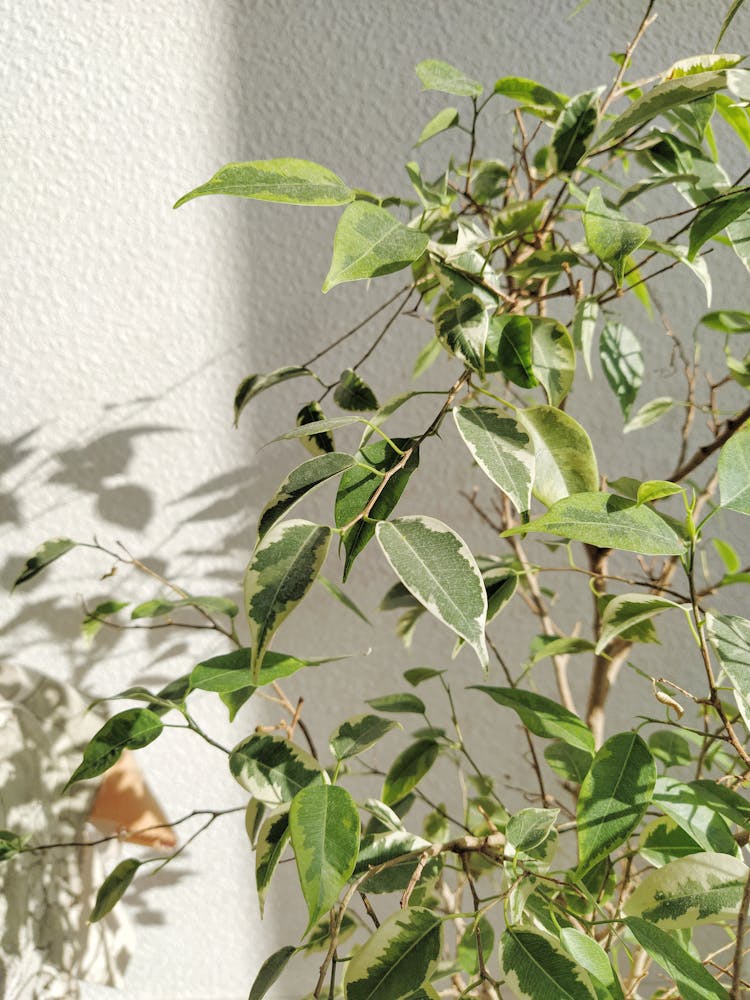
point(124, 805)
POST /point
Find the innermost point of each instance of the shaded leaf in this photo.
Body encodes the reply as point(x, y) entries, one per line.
point(113, 888)
point(299, 483)
point(553, 358)
point(531, 94)
point(408, 769)
point(253, 385)
point(730, 637)
point(626, 610)
point(295, 182)
point(343, 598)
point(270, 971)
point(734, 472)
point(684, 805)
point(537, 968)
point(508, 349)
point(568, 762)
point(573, 130)
point(273, 837)
point(405, 702)
point(717, 215)
point(622, 362)
point(584, 327)
point(693, 980)
point(543, 716)
point(129, 730)
point(529, 828)
point(462, 329)
point(353, 393)
point(649, 413)
point(317, 444)
point(442, 121)
point(590, 955)
point(664, 840)
point(159, 607)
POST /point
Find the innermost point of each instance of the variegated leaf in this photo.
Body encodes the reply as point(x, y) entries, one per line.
point(565, 461)
point(537, 968)
point(273, 837)
point(397, 960)
point(273, 769)
point(299, 483)
point(501, 448)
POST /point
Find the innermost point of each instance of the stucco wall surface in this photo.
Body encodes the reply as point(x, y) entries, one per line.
point(126, 327)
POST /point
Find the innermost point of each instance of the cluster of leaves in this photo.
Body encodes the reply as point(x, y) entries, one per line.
point(492, 247)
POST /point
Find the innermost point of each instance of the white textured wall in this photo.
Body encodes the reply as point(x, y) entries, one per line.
point(126, 327)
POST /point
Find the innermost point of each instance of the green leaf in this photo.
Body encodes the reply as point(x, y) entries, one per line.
point(417, 675)
point(543, 716)
point(324, 830)
point(343, 598)
point(508, 349)
point(93, 622)
point(730, 637)
point(129, 730)
point(583, 329)
point(614, 796)
point(531, 94)
point(573, 130)
point(684, 805)
point(437, 75)
point(717, 215)
point(370, 242)
point(543, 646)
point(728, 18)
point(670, 747)
point(568, 762)
point(553, 358)
point(609, 522)
point(113, 888)
point(537, 968)
point(610, 235)
point(43, 556)
point(501, 448)
point(317, 444)
point(273, 837)
point(436, 565)
point(358, 485)
point(405, 702)
point(565, 461)
point(467, 954)
point(699, 267)
point(273, 769)
point(253, 385)
point(660, 99)
point(529, 828)
point(626, 610)
point(159, 607)
point(270, 971)
point(656, 489)
point(442, 121)
point(649, 413)
point(397, 959)
point(590, 955)
point(230, 672)
point(282, 569)
point(359, 734)
point(299, 483)
point(377, 848)
point(693, 980)
point(622, 362)
point(727, 321)
point(10, 844)
point(353, 393)
point(700, 889)
point(664, 840)
point(408, 769)
point(319, 427)
point(728, 555)
point(734, 472)
point(725, 801)
point(462, 329)
point(293, 182)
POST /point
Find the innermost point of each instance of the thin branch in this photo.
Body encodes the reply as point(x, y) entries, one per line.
point(355, 329)
point(647, 20)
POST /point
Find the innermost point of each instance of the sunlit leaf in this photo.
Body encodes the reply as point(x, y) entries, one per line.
point(438, 75)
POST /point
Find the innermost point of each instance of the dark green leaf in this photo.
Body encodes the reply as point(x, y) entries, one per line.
point(270, 971)
point(113, 888)
point(693, 980)
point(43, 556)
point(573, 130)
point(358, 734)
point(717, 215)
point(253, 385)
point(435, 74)
point(408, 769)
point(543, 716)
point(129, 730)
point(614, 796)
point(398, 703)
point(353, 393)
point(295, 182)
point(299, 483)
point(569, 762)
point(610, 235)
point(416, 675)
point(322, 442)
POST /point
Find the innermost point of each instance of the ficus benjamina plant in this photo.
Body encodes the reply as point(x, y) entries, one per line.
point(633, 840)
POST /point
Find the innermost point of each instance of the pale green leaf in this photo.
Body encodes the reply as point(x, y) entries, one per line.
point(583, 329)
point(359, 734)
point(553, 358)
point(467, 950)
point(614, 796)
point(324, 830)
point(568, 762)
point(548, 103)
point(353, 393)
point(626, 610)
point(622, 362)
point(670, 747)
point(610, 235)
point(730, 637)
point(270, 971)
point(529, 828)
point(43, 556)
point(442, 121)
point(698, 266)
point(397, 959)
point(728, 18)
point(299, 483)
point(273, 837)
point(436, 565)
point(370, 242)
point(684, 805)
point(649, 413)
point(462, 329)
point(537, 968)
point(656, 489)
point(734, 472)
point(273, 769)
point(113, 888)
point(717, 215)
point(282, 569)
point(501, 448)
point(253, 385)
point(589, 954)
point(230, 672)
point(564, 456)
point(159, 607)
point(294, 182)
point(129, 730)
point(609, 522)
point(435, 74)
point(703, 888)
point(727, 321)
point(693, 980)
point(543, 716)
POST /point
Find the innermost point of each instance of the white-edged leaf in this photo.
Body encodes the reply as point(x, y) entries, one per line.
point(358, 734)
point(693, 979)
point(649, 413)
point(537, 968)
point(294, 182)
point(730, 637)
point(614, 796)
point(564, 457)
point(734, 472)
point(282, 569)
point(664, 840)
point(397, 959)
point(43, 556)
point(353, 393)
point(299, 483)
point(273, 769)
point(253, 385)
point(273, 837)
point(501, 448)
point(610, 235)
point(626, 610)
point(324, 830)
point(590, 955)
point(462, 329)
point(609, 522)
point(703, 888)
point(437, 567)
point(369, 242)
point(435, 74)
point(316, 444)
